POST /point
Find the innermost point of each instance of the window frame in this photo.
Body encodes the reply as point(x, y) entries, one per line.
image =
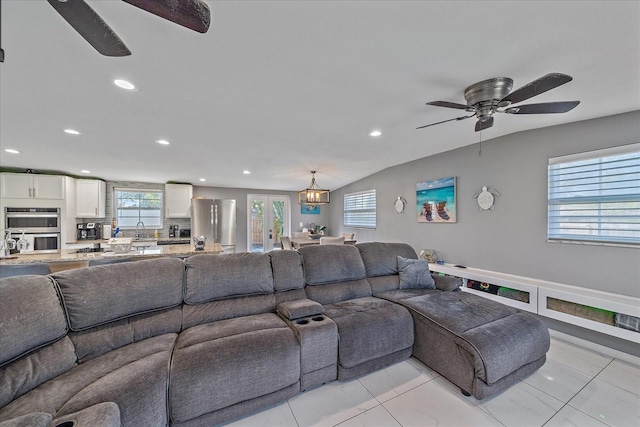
point(368, 209)
point(612, 196)
point(160, 209)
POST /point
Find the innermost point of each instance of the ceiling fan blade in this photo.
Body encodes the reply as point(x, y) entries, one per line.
point(91, 27)
point(445, 121)
point(450, 105)
point(484, 125)
point(536, 87)
point(192, 14)
point(543, 108)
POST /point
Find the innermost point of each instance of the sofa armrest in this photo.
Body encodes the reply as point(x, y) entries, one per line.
point(106, 414)
point(446, 283)
point(299, 308)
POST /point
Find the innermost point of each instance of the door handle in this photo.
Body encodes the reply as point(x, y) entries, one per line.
point(30, 192)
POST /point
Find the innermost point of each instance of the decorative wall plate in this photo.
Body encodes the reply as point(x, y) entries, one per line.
point(400, 204)
point(486, 198)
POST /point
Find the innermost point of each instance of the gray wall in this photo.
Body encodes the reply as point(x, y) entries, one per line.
point(240, 195)
point(511, 238)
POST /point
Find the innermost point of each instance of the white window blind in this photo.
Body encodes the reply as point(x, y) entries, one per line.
point(133, 205)
point(360, 209)
point(595, 197)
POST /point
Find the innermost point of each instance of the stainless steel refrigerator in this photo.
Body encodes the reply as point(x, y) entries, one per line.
point(216, 220)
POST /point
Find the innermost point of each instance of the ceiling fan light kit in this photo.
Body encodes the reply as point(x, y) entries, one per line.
point(488, 97)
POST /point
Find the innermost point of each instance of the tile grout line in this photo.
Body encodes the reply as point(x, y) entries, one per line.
point(576, 393)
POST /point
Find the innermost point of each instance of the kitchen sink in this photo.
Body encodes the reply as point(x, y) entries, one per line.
point(144, 242)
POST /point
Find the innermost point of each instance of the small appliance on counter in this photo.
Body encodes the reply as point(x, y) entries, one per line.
point(173, 230)
point(185, 232)
point(89, 231)
point(106, 231)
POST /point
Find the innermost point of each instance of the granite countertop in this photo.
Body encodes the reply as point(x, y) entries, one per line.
point(160, 239)
point(71, 255)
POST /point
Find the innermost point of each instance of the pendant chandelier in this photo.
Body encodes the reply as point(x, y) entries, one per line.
point(313, 195)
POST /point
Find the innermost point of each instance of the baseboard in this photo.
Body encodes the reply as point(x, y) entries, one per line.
point(629, 358)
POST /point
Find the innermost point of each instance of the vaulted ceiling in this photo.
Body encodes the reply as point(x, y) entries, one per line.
point(280, 88)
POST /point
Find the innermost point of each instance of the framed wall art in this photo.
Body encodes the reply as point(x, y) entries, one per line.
point(436, 200)
point(310, 209)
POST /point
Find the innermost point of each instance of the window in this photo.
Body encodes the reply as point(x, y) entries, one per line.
point(360, 209)
point(595, 197)
point(133, 205)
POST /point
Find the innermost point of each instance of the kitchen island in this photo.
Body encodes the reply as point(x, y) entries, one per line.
point(70, 258)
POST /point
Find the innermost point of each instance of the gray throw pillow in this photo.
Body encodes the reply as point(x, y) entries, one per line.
point(415, 274)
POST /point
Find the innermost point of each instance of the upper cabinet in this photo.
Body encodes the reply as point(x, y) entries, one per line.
point(31, 186)
point(177, 199)
point(91, 197)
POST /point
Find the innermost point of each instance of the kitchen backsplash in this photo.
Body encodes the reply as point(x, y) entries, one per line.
point(164, 232)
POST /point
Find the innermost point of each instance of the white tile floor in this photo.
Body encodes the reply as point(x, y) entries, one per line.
point(576, 387)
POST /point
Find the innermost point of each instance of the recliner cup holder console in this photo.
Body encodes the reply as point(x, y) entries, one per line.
point(318, 318)
point(66, 424)
point(302, 322)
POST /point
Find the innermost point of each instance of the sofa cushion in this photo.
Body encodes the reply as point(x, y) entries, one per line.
point(32, 319)
point(380, 258)
point(38, 367)
point(414, 274)
point(331, 263)
point(287, 270)
point(220, 364)
point(369, 328)
point(134, 377)
point(212, 277)
point(35, 419)
point(97, 295)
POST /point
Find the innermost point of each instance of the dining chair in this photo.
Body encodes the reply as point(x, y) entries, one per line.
point(286, 243)
point(300, 234)
point(349, 236)
point(22, 270)
point(332, 240)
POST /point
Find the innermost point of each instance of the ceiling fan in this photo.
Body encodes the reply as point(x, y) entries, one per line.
point(192, 14)
point(494, 96)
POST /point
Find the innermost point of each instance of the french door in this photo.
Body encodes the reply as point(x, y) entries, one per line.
point(268, 219)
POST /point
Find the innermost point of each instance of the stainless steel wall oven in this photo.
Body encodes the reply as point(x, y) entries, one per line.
point(41, 227)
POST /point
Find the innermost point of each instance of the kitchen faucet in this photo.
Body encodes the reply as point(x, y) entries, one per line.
point(137, 229)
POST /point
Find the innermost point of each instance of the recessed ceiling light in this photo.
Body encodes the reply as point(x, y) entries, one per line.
point(85, 171)
point(72, 131)
point(202, 179)
point(246, 172)
point(12, 151)
point(124, 84)
point(375, 133)
point(162, 141)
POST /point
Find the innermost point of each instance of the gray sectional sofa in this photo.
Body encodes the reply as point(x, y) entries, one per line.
point(201, 341)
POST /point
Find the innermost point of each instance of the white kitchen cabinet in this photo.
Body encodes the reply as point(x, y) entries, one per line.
point(177, 199)
point(32, 186)
point(91, 197)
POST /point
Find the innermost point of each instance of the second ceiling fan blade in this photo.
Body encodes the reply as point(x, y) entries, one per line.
point(543, 108)
point(450, 105)
point(445, 121)
point(536, 87)
point(192, 14)
point(91, 27)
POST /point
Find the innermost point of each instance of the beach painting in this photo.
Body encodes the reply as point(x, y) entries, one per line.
point(310, 209)
point(436, 200)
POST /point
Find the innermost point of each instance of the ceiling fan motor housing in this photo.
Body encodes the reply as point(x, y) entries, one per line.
point(485, 96)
